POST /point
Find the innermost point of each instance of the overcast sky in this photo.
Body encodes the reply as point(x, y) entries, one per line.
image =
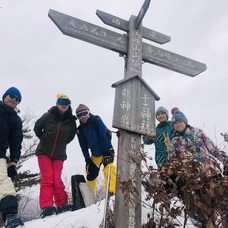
point(38, 59)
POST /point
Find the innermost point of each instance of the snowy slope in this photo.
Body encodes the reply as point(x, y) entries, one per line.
point(90, 217)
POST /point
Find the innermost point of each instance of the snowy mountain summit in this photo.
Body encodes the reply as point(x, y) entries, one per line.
point(90, 217)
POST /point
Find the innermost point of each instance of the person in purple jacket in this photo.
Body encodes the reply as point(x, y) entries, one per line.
point(192, 143)
point(191, 139)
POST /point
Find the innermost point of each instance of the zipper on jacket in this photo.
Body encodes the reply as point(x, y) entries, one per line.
point(56, 137)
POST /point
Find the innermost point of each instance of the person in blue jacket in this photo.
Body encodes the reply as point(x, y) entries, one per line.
point(95, 143)
point(11, 137)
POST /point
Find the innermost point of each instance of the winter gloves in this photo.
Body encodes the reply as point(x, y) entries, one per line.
point(12, 173)
point(108, 157)
point(92, 170)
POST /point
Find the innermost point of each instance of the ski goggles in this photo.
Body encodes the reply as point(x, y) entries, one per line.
point(63, 101)
point(81, 114)
point(12, 96)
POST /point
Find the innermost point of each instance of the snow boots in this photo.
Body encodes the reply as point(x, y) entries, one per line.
point(67, 207)
point(47, 211)
point(13, 221)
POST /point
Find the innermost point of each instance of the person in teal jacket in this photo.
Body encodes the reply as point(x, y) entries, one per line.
point(164, 127)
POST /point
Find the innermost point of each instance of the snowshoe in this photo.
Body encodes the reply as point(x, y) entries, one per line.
point(47, 211)
point(13, 221)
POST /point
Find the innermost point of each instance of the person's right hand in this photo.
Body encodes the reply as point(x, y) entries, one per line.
point(12, 172)
point(152, 137)
point(92, 170)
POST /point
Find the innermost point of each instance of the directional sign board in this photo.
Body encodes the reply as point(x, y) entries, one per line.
point(142, 13)
point(123, 25)
point(108, 39)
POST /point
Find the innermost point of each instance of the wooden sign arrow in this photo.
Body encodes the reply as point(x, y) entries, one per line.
point(123, 25)
point(105, 38)
point(142, 13)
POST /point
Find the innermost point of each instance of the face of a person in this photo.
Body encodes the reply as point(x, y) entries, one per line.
point(11, 101)
point(179, 126)
point(83, 116)
point(62, 108)
point(161, 117)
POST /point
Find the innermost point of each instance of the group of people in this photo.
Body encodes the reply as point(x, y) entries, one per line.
point(56, 128)
point(178, 137)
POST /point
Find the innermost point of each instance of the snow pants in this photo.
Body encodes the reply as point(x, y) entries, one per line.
point(112, 185)
point(8, 200)
point(52, 189)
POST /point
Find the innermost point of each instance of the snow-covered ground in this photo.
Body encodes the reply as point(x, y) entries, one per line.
point(90, 217)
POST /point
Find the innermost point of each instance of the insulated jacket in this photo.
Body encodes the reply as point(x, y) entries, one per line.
point(55, 132)
point(194, 142)
point(11, 135)
point(160, 147)
point(93, 135)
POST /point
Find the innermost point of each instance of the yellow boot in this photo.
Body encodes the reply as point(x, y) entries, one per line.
point(112, 185)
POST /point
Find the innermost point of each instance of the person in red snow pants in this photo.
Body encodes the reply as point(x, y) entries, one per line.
point(55, 129)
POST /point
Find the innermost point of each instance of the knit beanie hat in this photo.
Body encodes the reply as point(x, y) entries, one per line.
point(81, 108)
point(63, 99)
point(12, 91)
point(178, 116)
point(162, 109)
point(175, 110)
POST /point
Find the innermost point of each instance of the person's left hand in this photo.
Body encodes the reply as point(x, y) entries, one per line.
point(108, 157)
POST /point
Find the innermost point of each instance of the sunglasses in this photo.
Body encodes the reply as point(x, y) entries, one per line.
point(14, 97)
point(82, 114)
point(63, 101)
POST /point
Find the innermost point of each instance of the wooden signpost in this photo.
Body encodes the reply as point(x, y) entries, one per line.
point(134, 109)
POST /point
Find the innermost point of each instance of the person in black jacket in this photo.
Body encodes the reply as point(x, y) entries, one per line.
point(11, 137)
point(55, 129)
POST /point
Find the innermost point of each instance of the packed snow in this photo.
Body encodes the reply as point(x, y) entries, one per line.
point(89, 217)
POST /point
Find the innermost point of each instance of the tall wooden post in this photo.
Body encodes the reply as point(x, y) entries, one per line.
point(128, 211)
